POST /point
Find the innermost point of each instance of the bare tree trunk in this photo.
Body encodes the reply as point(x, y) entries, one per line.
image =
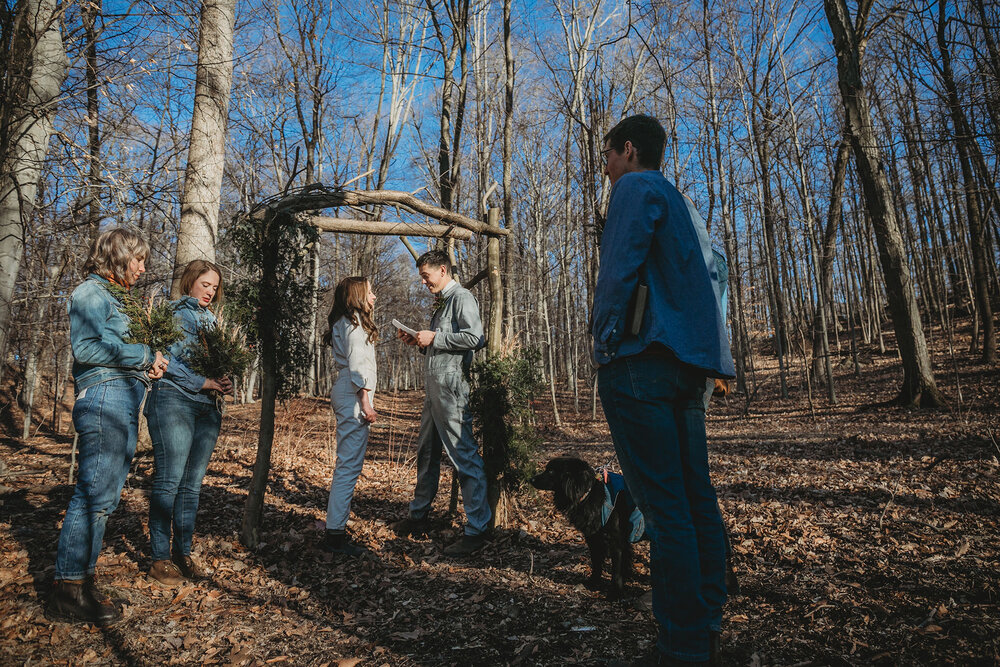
point(849, 40)
point(973, 212)
point(30, 90)
point(27, 397)
point(493, 334)
point(827, 252)
point(199, 223)
point(91, 11)
point(452, 109)
point(508, 198)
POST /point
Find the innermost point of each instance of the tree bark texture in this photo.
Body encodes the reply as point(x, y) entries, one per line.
point(199, 223)
point(32, 86)
point(90, 13)
point(918, 387)
point(978, 241)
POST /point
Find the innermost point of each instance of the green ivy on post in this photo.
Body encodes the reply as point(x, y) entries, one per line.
point(503, 386)
point(275, 299)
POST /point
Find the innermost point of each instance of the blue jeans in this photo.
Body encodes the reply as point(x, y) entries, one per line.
point(656, 412)
point(106, 417)
point(184, 434)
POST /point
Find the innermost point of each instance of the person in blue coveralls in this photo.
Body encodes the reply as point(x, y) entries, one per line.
point(651, 378)
point(455, 333)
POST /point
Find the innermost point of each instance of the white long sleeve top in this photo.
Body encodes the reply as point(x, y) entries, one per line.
point(353, 355)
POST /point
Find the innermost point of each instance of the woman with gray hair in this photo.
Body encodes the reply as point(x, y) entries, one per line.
point(111, 378)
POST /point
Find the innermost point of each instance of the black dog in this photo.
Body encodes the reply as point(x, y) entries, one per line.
point(580, 495)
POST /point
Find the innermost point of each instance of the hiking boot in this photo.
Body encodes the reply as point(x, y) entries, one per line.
point(189, 568)
point(465, 545)
point(410, 526)
point(337, 542)
point(165, 573)
point(80, 601)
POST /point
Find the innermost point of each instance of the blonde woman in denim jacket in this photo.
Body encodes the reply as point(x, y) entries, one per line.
point(184, 423)
point(352, 336)
point(111, 379)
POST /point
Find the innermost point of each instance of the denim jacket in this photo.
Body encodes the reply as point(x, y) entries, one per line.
point(191, 317)
point(97, 331)
point(458, 332)
point(654, 236)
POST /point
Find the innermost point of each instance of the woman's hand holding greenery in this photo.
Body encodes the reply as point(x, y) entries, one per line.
point(220, 355)
point(153, 324)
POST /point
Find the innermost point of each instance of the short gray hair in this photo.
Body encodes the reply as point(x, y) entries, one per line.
point(112, 251)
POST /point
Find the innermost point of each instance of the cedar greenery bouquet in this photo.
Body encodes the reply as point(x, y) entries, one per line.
point(151, 321)
point(220, 350)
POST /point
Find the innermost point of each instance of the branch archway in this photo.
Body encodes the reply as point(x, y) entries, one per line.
point(292, 208)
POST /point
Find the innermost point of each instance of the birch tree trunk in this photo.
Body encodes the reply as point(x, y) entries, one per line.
point(849, 41)
point(31, 87)
point(206, 156)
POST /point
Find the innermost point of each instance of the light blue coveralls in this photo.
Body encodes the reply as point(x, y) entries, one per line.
point(446, 420)
point(354, 357)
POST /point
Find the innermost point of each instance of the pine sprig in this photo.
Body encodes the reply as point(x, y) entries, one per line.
point(220, 350)
point(151, 322)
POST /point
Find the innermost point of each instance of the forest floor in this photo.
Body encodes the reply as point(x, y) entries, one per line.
point(864, 534)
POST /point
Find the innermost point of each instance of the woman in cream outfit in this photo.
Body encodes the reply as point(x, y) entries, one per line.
point(352, 335)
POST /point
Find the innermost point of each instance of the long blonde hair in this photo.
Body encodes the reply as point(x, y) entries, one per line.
point(111, 253)
point(350, 300)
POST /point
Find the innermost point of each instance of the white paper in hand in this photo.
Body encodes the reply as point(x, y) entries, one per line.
point(402, 327)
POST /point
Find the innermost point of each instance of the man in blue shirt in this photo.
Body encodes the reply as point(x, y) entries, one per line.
point(653, 369)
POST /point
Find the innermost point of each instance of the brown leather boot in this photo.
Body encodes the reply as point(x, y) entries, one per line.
point(189, 568)
point(165, 573)
point(408, 527)
point(80, 601)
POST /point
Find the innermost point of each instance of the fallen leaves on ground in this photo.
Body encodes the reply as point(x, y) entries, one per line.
point(863, 534)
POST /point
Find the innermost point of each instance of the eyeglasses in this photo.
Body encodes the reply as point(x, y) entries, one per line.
point(604, 154)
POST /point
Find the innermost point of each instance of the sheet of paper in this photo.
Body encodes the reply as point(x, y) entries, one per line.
point(402, 327)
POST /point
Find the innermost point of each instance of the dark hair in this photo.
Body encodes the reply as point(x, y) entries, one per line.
point(435, 258)
point(195, 269)
point(646, 134)
point(350, 300)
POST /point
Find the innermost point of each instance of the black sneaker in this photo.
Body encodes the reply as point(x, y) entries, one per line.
point(410, 526)
point(337, 542)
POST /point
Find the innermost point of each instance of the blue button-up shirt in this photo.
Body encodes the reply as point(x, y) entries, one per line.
point(654, 236)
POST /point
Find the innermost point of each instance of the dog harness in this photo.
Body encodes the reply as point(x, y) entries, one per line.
point(616, 492)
